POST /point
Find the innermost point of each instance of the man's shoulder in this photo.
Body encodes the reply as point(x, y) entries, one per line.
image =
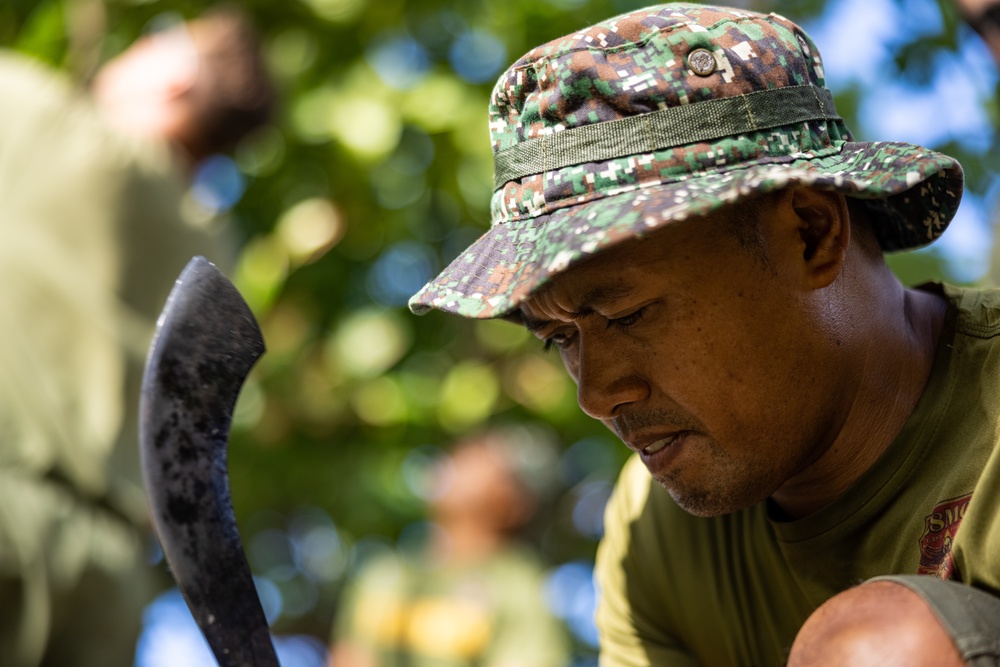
point(977, 310)
point(24, 73)
point(55, 118)
point(43, 93)
point(54, 111)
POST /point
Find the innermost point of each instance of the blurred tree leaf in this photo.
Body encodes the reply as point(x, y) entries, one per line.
point(42, 32)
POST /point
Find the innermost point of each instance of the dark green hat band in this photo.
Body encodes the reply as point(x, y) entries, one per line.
point(666, 128)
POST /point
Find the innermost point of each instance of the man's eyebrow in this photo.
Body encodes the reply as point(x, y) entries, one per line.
point(533, 325)
point(591, 301)
point(601, 295)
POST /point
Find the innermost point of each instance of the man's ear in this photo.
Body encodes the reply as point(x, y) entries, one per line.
point(825, 231)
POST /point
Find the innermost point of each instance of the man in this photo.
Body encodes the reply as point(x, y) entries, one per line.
point(473, 595)
point(682, 215)
point(96, 228)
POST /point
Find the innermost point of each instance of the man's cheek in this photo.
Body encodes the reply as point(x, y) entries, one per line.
point(569, 362)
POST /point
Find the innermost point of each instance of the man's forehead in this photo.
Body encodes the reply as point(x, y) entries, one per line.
point(572, 295)
point(613, 274)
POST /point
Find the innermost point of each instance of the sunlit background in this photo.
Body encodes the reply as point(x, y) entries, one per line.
point(375, 174)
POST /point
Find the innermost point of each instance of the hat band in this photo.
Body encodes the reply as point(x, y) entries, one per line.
point(666, 128)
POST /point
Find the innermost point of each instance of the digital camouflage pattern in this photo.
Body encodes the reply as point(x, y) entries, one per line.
point(662, 114)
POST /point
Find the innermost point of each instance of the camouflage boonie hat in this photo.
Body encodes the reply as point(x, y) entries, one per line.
point(662, 114)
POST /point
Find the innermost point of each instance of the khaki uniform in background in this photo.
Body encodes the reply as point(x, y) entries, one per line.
point(410, 612)
point(93, 233)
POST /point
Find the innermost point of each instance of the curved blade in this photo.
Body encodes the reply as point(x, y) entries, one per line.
point(205, 345)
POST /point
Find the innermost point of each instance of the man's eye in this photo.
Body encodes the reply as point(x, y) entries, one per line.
point(558, 341)
point(623, 323)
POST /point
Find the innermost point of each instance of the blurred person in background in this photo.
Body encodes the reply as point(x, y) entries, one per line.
point(474, 595)
point(95, 228)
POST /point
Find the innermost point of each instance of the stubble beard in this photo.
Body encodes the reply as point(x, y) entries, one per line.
point(715, 482)
point(724, 485)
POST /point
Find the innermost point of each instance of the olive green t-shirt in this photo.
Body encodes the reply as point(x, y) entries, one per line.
point(419, 614)
point(733, 590)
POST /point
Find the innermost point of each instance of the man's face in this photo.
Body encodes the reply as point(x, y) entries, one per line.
point(702, 356)
point(476, 484)
point(142, 91)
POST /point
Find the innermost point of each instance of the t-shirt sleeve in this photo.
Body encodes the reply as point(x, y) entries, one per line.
point(977, 544)
point(630, 636)
point(974, 419)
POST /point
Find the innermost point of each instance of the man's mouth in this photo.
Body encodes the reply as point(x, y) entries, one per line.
point(657, 445)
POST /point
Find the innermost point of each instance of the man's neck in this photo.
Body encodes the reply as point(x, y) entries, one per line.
point(894, 363)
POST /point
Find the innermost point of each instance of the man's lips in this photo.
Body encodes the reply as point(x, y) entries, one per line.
point(656, 446)
point(652, 444)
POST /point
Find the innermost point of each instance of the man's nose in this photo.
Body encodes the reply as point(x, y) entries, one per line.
point(607, 380)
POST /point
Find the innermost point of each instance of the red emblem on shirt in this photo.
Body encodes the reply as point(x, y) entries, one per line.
point(940, 527)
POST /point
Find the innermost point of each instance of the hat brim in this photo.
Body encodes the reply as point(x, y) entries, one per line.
point(920, 189)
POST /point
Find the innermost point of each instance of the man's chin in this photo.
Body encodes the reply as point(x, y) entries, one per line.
point(707, 503)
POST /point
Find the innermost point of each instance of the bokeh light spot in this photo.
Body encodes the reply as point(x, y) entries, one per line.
point(440, 103)
point(270, 551)
point(592, 456)
point(468, 394)
point(501, 336)
point(261, 271)
point(299, 596)
point(477, 56)
point(395, 189)
point(337, 11)
point(539, 384)
point(261, 152)
point(400, 272)
point(250, 406)
point(310, 228)
point(419, 471)
point(311, 113)
point(370, 341)
point(366, 125)
point(588, 511)
point(379, 402)
point(218, 184)
point(321, 553)
point(291, 52)
point(399, 60)
point(571, 595)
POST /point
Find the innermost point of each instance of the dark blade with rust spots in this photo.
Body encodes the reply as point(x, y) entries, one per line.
point(205, 345)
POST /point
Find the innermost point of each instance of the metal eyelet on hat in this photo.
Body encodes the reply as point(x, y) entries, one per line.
point(702, 62)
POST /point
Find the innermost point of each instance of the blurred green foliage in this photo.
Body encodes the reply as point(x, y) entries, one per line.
point(375, 173)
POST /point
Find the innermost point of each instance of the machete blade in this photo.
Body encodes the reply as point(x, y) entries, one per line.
point(206, 342)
